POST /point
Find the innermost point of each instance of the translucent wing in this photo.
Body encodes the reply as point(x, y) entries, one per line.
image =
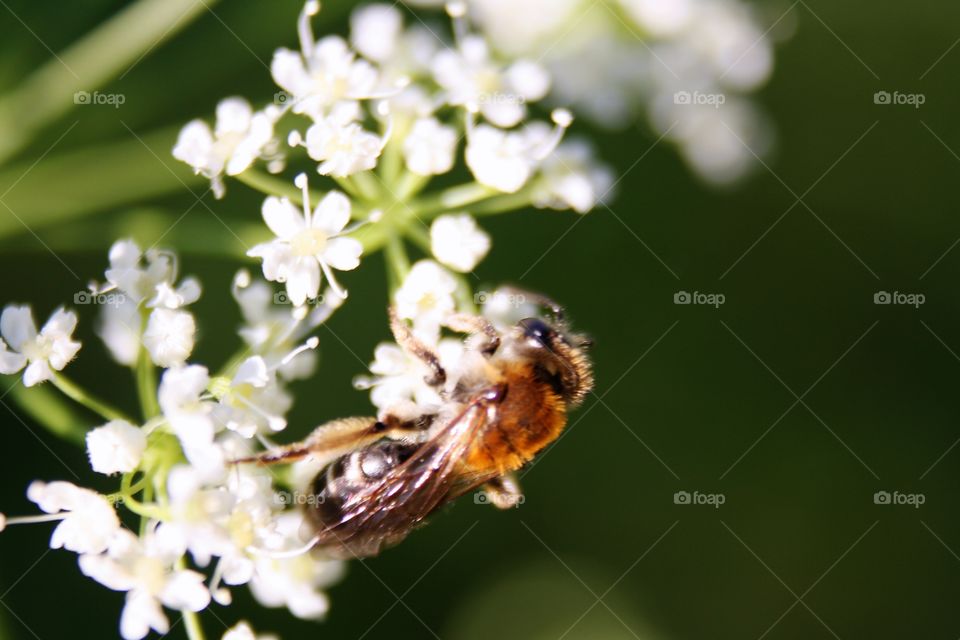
point(384, 512)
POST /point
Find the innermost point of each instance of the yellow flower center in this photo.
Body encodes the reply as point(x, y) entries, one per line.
point(309, 242)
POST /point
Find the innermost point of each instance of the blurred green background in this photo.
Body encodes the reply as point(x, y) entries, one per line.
point(689, 398)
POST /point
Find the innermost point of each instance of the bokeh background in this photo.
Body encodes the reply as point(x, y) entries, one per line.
point(797, 400)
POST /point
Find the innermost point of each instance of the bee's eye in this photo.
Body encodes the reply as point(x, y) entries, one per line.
point(538, 330)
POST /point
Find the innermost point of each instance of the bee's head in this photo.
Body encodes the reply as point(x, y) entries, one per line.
point(558, 355)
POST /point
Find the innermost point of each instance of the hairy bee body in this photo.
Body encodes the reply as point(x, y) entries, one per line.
point(383, 477)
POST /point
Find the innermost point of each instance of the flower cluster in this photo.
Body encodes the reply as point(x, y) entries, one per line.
point(688, 66)
point(369, 121)
point(206, 525)
point(378, 116)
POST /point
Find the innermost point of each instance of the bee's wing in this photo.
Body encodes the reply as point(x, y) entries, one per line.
point(387, 510)
point(326, 443)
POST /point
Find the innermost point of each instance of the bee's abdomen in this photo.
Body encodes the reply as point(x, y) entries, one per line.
point(343, 479)
point(531, 416)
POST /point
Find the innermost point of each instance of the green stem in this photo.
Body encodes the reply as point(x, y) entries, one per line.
point(369, 185)
point(348, 185)
point(419, 236)
point(398, 264)
point(410, 184)
point(107, 51)
point(453, 198)
point(146, 376)
point(503, 203)
point(73, 391)
point(192, 623)
point(50, 410)
point(273, 186)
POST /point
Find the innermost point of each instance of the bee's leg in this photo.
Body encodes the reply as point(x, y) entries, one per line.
point(504, 492)
point(476, 325)
point(327, 442)
point(412, 345)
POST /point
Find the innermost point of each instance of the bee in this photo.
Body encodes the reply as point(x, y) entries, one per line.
point(386, 475)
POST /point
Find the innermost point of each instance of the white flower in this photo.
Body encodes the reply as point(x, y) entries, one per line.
point(375, 30)
point(307, 242)
point(88, 521)
point(144, 569)
point(116, 447)
point(573, 178)
point(342, 148)
point(472, 79)
point(296, 582)
point(270, 329)
point(223, 517)
point(243, 631)
point(505, 160)
point(168, 297)
point(399, 380)
point(661, 18)
point(188, 412)
point(169, 336)
point(152, 282)
point(119, 328)
point(322, 74)
point(251, 401)
point(429, 147)
point(42, 353)
point(426, 297)
point(237, 140)
point(458, 242)
point(127, 273)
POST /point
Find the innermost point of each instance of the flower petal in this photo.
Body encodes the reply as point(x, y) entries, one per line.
point(343, 254)
point(303, 280)
point(283, 217)
point(17, 326)
point(36, 373)
point(332, 213)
